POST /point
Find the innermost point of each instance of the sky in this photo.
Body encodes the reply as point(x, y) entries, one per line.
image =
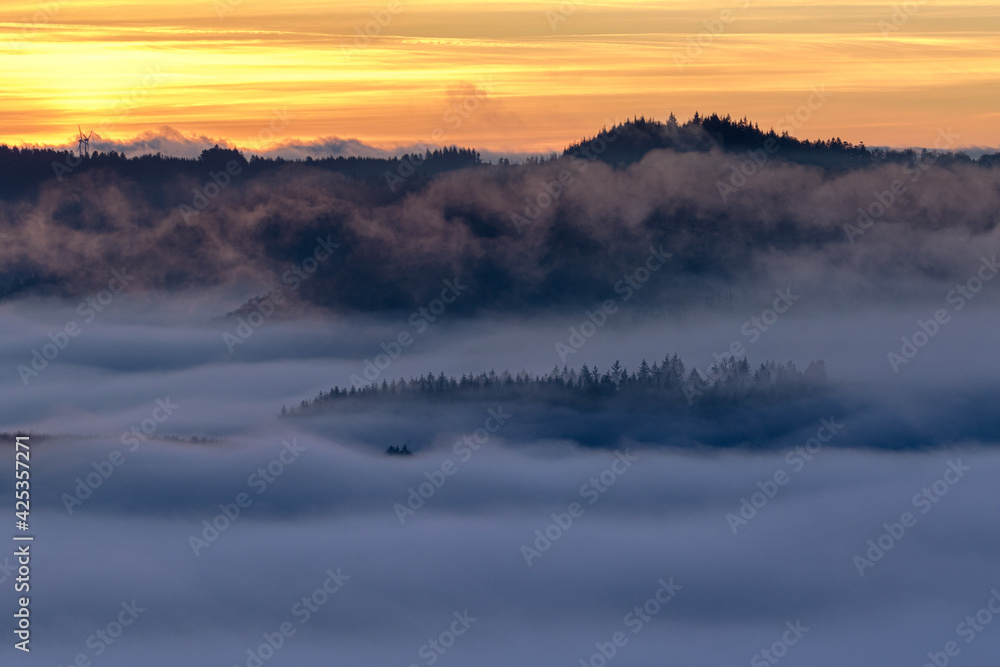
point(512, 77)
point(121, 291)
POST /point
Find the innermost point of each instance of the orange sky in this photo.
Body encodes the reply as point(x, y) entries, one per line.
point(530, 77)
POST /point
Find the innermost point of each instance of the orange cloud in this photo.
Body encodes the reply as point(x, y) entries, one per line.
point(389, 72)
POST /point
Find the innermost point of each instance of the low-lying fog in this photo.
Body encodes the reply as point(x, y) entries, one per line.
point(412, 541)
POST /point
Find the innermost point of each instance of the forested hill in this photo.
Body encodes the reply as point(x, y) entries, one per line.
point(628, 142)
point(554, 234)
point(23, 170)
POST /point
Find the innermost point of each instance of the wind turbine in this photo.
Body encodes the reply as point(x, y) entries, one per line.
point(84, 142)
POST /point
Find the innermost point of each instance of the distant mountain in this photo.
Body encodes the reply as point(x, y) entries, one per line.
point(630, 141)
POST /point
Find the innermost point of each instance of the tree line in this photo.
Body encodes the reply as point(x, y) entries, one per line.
point(629, 141)
point(668, 381)
point(23, 169)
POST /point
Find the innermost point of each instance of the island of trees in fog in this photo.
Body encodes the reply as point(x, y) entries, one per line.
point(666, 383)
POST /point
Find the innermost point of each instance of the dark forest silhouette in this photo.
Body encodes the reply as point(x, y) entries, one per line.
point(515, 234)
point(668, 383)
point(631, 140)
point(23, 170)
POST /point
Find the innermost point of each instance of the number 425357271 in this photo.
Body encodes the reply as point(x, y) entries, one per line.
point(22, 468)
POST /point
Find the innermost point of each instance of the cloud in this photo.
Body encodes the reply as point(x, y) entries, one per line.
point(663, 519)
point(517, 236)
point(334, 505)
point(172, 142)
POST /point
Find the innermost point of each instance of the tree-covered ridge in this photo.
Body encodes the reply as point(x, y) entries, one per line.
point(24, 169)
point(666, 382)
point(628, 142)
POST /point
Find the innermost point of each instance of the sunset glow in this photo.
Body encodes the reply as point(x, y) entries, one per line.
point(532, 76)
